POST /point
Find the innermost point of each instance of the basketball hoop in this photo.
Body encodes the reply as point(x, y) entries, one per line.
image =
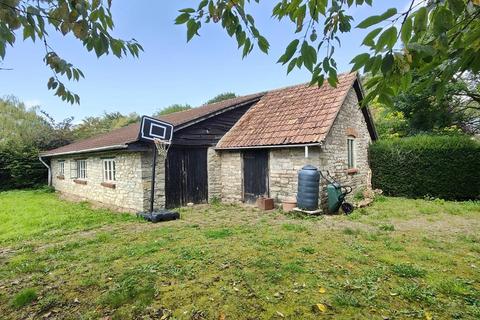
point(162, 147)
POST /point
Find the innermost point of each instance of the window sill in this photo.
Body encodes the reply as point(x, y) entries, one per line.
point(78, 181)
point(61, 177)
point(352, 171)
point(108, 185)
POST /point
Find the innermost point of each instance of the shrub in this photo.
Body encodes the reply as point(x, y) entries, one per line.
point(427, 166)
point(20, 168)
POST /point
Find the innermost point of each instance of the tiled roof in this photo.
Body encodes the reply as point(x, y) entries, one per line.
point(294, 115)
point(119, 138)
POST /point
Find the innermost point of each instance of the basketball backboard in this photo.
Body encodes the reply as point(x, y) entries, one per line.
point(151, 129)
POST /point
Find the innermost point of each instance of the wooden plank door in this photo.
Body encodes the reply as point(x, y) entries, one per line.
point(186, 176)
point(255, 174)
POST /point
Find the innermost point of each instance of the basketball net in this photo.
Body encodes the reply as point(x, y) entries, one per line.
point(162, 147)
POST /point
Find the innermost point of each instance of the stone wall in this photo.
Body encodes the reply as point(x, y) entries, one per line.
point(128, 194)
point(349, 123)
point(231, 176)
point(284, 164)
point(214, 174)
point(159, 202)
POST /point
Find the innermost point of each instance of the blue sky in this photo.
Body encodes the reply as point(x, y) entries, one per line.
point(170, 70)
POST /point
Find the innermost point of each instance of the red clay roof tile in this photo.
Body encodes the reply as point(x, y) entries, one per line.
point(296, 115)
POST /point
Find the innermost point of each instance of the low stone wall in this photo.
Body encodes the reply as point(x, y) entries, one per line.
point(128, 192)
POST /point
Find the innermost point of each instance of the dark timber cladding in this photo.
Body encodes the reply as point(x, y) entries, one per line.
point(255, 174)
point(208, 132)
point(186, 166)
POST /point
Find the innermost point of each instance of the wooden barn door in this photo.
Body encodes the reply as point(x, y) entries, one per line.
point(186, 176)
point(255, 174)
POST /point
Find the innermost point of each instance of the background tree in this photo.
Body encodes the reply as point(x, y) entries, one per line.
point(222, 97)
point(90, 21)
point(91, 126)
point(172, 108)
point(430, 35)
point(421, 110)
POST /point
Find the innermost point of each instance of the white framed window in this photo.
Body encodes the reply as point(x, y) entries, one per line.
point(61, 167)
point(351, 153)
point(109, 170)
point(81, 166)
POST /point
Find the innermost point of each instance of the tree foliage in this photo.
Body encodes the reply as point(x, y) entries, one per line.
point(222, 97)
point(89, 21)
point(429, 36)
point(91, 126)
point(172, 108)
point(24, 132)
point(421, 110)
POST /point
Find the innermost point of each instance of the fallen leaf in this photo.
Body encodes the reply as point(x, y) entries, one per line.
point(221, 316)
point(322, 290)
point(428, 315)
point(280, 314)
point(321, 307)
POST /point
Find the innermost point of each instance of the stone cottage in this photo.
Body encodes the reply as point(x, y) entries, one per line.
point(235, 150)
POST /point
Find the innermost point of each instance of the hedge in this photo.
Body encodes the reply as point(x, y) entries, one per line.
point(445, 167)
point(20, 168)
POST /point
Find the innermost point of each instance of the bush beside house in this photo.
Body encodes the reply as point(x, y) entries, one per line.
point(446, 167)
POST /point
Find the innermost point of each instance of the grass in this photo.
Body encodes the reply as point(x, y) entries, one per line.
point(396, 259)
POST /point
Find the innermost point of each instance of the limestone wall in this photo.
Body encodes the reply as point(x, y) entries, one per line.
point(214, 174)
point(128, 193)
point(159, 202)
point(349, 122)
point(284, 164)
point(231, 176)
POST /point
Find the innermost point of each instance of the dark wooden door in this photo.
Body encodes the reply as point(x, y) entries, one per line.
point(186, 176)
point(255, 174)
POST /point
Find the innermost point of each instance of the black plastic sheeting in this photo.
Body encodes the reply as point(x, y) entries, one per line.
point(159, 216)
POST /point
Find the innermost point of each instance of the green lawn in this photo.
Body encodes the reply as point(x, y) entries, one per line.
point(397, 259)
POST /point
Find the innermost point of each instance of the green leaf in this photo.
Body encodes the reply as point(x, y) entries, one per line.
point(407, 30)
point(457, 6)
point(423, 49)
point(442, 20)
point(289, 51)
point(192, 28)
point(181, 19)
point(387, 63)
point(263, 44)
point(187, 10)
point(370, 21)
point(309, 55)
point(368, 40)
point(420, 21)
point(359, 61)
point(388, 38)
point(291, 65)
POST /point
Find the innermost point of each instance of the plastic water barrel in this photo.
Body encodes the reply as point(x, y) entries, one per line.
point(308, 188)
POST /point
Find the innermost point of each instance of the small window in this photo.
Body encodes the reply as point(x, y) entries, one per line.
point(81, 166)
point(61, 168)
point(351, 153)
point(108, 169)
